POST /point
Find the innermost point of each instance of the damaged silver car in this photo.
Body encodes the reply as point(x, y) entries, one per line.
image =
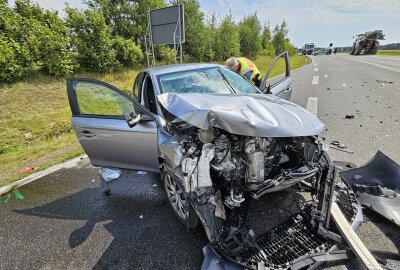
point(219, 142)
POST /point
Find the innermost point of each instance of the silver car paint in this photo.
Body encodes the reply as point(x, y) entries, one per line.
point(248, 115)
point(111, 143)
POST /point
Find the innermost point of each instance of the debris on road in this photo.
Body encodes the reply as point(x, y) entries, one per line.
point(338, 144)
point(109, 174)
point(349, 116)
point(384, 81)
point(27, 170)
point(340, 149)
point(377, 186)
point(141, 172)
point(141, 216)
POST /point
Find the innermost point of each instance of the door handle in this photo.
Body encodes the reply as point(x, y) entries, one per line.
point(288, 89)
point(88, 134)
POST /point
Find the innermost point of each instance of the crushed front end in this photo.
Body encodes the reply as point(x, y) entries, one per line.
point(218, 172)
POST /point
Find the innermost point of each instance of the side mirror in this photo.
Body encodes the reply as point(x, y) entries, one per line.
point(132, 119)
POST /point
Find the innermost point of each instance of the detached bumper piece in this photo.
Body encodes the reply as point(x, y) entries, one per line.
point(292, 245)
point(377, 186)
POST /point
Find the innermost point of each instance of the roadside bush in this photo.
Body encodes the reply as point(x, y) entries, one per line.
point(267, 52)
point(14, 60)
point(54, 53)
point(127, 52)
point(167, 55)
point(91, 39)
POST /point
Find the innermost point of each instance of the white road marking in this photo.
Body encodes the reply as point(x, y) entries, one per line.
point(315, 64)
point(316, 69)
point(344, 85)
point(312, 105)
point(326, 76)
point(373, 64)
point(315, 80)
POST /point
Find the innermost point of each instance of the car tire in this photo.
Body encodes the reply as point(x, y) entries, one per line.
point(177, 200)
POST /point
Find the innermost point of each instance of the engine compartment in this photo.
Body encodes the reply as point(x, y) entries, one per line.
point(219, 173)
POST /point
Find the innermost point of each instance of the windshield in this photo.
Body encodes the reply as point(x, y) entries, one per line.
point(206, 81)
point(309, 46)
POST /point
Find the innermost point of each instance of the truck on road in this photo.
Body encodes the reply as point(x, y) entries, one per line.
point(308, 48)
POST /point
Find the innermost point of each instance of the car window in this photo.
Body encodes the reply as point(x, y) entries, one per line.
point(97, 99)
point(213, 80)
point(239, 84)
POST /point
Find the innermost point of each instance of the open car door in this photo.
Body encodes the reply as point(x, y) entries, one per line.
point(281, 84)
point(113, 129)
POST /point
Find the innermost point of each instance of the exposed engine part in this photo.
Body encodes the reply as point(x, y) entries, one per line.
point(255, 167)
point(207, 154)
point(234, 200)
point(206, 136)
point(189, 170)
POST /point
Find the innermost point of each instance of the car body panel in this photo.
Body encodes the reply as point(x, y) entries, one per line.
point(282, 87)
point(249, 115)
point(108, 140)
point(115, 144)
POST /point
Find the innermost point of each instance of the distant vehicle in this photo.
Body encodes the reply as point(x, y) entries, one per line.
point(308, 48)
point(367, 42)
point(323, 51)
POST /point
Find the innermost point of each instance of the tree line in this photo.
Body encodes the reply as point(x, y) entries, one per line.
point(109, 34)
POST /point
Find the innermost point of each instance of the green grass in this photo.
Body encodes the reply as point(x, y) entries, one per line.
point(35, 121)
point(35, 118)
point(296, 61)
point(389, 52)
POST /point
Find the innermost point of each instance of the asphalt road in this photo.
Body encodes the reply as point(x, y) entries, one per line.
point(65, 221)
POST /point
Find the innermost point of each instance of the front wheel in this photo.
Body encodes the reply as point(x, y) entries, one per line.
point(178, 201)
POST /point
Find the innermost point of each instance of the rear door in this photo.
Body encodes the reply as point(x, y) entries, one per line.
point(99, 123)
point(277, 80)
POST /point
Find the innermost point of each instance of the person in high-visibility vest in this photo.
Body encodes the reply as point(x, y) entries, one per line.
point(245, 68)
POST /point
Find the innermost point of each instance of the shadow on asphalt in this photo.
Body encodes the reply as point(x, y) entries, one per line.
point(146, 233)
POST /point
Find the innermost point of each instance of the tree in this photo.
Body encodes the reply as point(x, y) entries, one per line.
point(126, 18)
point(249, 34)
point(32, 36)
point(228, 42)
point(91, 39)
point(267, 47)
point(280, 40)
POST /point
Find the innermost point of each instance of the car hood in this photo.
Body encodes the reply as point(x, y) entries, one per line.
point(242, 114)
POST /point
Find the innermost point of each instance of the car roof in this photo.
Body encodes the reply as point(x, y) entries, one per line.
point(178, 67)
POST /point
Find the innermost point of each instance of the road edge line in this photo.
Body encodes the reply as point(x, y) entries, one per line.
point(34, 176)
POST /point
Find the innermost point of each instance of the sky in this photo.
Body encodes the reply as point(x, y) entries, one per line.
point(318, 21)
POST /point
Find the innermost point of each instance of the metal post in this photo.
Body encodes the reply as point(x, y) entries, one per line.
point(151, 41)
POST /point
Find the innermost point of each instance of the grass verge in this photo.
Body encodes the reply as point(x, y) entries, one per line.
point(35, 122)
point(389, 52)
point(35, 118)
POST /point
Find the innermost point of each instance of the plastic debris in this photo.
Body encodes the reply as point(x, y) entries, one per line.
point(384, 82)
point(18, 195)
point(338, 144)
point(141, 172)
point(141, 216)
point(110, 174)
point(349, 116)
point(27, 170)
point(28, 135)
